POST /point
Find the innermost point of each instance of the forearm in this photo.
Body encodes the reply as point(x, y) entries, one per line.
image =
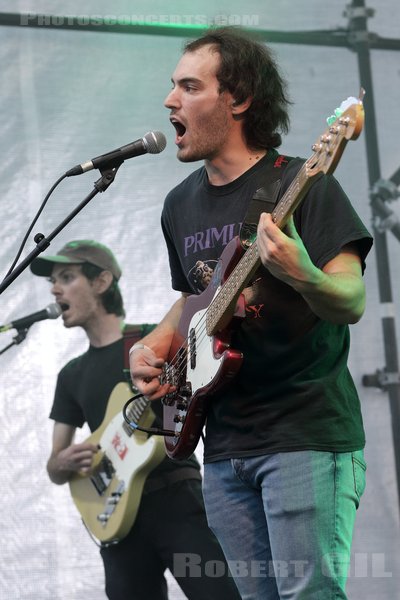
point(160, 338)
point(334, 293)
point(335, 297)
point(66, 458)
point(57, 472)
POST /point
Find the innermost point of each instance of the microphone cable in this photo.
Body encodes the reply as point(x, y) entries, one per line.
point(32, 225)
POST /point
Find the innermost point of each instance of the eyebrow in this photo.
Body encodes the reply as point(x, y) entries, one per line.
point(63, 270)
point(185, 80)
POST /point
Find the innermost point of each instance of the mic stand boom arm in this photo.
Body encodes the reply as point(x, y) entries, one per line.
point(106, 179)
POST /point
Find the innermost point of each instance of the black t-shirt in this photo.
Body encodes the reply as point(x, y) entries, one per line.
point(294, 390)
point(83, 389)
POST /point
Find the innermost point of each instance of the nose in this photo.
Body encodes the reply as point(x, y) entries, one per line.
point(55, 289)
point(171, 101)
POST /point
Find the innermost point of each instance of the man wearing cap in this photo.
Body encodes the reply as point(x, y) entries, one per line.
point(170, 525)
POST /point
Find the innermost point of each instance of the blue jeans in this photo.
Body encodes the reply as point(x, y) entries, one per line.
point(285, 521)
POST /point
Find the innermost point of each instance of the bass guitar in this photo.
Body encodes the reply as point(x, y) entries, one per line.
point(201, 360)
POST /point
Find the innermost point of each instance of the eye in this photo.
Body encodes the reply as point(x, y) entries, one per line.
point(66, 277)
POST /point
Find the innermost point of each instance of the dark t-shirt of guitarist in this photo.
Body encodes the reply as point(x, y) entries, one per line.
point(293, 390)
point(83, 390)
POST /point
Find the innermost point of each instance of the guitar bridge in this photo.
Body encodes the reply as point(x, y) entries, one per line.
point(111, 504)
point(174, 375)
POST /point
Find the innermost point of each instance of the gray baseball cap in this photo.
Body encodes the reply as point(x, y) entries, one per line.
point(78, 252)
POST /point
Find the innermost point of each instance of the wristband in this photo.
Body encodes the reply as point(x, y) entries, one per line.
point(138, 346)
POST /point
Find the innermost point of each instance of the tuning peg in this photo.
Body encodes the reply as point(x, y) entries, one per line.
point(337, 113)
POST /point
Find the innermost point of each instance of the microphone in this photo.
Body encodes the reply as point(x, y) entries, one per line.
point(152, 142)
point(52, 311)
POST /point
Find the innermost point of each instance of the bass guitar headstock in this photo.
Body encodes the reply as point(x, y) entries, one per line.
point(346, 124)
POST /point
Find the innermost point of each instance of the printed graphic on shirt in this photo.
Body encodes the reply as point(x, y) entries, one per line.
point(255, 311)
point(210, 272)
point(281, 159)
point(210, 238)
point(200, 275)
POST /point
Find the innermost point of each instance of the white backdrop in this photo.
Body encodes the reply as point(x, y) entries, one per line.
point(67, 96)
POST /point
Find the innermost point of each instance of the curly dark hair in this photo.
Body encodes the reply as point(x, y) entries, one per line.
point(248, 70)
point(112, 297)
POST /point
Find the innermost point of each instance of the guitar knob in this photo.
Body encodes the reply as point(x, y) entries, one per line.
point(168, 399)
point(102, 517)
point(185, 390)
point(178, 419)
point(182, 404)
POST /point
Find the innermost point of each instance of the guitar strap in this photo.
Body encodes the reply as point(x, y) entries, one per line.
point(265, 197)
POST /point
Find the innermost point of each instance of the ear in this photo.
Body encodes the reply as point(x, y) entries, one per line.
point(239, 108)
point(102, 282)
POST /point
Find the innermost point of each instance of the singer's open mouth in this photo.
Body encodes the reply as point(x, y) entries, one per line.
point(64, 306)
point(180, 129)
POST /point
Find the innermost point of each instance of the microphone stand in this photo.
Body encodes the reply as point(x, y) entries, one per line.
point(21, 335)
point(106, 179)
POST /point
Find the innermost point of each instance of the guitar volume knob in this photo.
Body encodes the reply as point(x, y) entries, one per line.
point(179, 419)
point(182, 404)
point(185, 390)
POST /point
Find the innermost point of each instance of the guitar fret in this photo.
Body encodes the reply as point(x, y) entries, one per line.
point(127, 429)
point(231, 287)
point(137, 409)
point(291, 195)
point(135, 413)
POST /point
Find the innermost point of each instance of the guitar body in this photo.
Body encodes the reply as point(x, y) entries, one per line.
point(108, 497)
point(208, 366)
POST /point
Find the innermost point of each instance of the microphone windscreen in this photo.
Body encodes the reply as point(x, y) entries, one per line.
point(155, 142)
point(53, 310)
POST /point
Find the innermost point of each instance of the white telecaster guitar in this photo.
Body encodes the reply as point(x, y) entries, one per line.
point(108, 497)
